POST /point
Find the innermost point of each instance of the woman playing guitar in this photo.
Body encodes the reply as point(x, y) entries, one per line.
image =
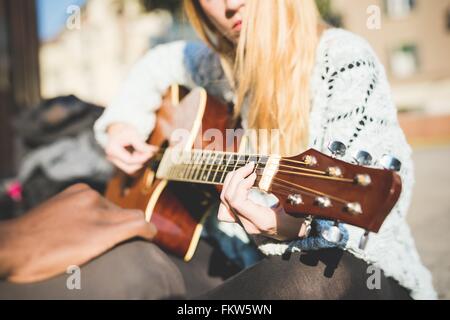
point(284, 69)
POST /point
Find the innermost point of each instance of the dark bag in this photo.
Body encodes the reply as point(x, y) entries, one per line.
point(64, 116)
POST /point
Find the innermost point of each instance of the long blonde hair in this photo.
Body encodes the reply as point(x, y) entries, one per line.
point(272, 64)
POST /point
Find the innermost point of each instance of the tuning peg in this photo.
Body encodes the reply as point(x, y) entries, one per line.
point(333, 234)
point(363, 158)
point(310, 161)
point(337, 148)
point(323, 202)
point(364, 239)
point(295, 199)
point(334, 172)
point(353, 208)
point(391, 163)
point(363, 180)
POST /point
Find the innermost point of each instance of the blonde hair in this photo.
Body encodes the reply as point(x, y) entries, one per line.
point(271, 66)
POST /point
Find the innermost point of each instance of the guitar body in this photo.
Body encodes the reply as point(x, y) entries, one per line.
point(176, 209)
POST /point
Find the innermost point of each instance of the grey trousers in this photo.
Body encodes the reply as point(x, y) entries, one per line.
point(140, 270)
point(133, 270)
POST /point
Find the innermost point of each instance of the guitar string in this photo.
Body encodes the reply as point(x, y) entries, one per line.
point(194, 153)
point(307, 191)
point(205, 156)
point(317, 176)
point(312, 191)
point(210, 167)
point(291, 190)
point(203, 165)
point(288, 191)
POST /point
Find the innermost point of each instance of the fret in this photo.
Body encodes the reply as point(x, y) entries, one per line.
point(192, 162)
point(246, 160)
point(204, 166)
point(255, 159)
point(197, 165)
point(187, 163)
point(211, 166)
point(237, 162)
point(183, 164)
point(179, 171)
point(225, 171)
point(218, 168)
point(256, 166)
point(183, 170)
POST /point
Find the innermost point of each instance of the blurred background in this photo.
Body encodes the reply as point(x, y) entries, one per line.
point(61, 61)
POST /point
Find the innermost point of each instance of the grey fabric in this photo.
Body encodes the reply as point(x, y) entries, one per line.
point(139, 270)
point(68, 159)
point(320, 275)
point(133, 270)
point(208, 268)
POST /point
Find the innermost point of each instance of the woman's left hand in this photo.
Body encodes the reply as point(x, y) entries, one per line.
point(256, 219)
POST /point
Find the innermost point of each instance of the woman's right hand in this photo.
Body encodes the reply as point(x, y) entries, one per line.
point(121, 136)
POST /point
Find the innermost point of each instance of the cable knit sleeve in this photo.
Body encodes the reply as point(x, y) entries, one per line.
point(184, 63)
point(353, 104)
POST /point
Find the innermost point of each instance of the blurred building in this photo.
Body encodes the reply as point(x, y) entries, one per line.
point(90, 58)
point(413, 42)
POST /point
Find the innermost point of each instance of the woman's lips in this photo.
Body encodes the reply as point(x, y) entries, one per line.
point(237, 26)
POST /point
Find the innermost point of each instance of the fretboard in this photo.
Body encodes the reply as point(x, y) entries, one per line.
point(204, 166)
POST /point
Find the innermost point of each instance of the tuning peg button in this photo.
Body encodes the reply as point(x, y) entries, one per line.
point(310, 161)
point(353, 208)
point(337, 148)
point(334, 172)
point(363, 158)
point(323, 202)
point(295, 199)
point(390, 163)
point(363, 180)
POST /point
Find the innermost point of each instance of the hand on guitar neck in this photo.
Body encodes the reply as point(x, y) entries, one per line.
point(121, 138)
point(254, 218)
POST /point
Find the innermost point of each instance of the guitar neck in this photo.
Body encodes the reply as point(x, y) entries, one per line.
point(204, 166)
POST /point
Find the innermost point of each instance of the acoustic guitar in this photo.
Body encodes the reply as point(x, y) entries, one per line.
point(176, 187)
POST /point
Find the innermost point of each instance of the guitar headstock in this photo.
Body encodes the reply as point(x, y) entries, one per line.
point(322, 186)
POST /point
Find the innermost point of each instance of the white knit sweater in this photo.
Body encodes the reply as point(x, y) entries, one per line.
point(351, 103)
